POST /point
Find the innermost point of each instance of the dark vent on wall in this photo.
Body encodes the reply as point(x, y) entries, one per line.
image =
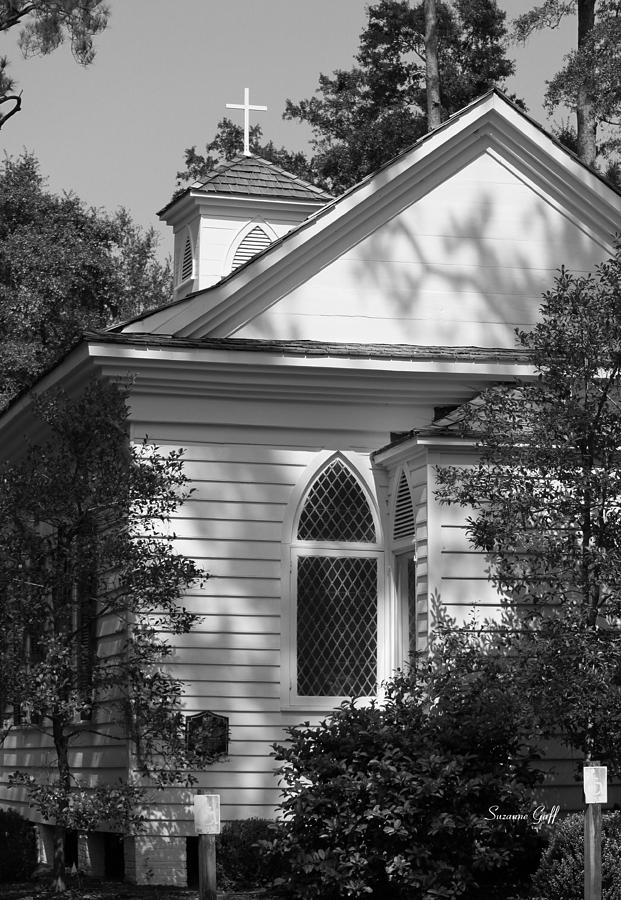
point(186, 265)
point(255, 241)
point(404, 512)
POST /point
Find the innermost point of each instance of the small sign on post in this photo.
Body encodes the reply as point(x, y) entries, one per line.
point(595, 784)
point(207, 826)
point(595, 793)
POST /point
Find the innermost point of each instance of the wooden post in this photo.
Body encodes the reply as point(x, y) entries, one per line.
point(207, 825)
point(593, 852)
point(595, 793)
point(207, 867)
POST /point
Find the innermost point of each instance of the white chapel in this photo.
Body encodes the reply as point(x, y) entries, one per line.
point(307, 363)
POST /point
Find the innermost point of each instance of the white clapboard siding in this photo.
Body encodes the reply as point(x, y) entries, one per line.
point(210, 605)
point(464, 263)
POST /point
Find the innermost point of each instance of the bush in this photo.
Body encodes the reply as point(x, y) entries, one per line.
point(241, 863)
point(561, 873)
point(393, 800)
point(18, 850)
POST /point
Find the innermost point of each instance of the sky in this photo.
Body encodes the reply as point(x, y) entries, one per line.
point(115, 132)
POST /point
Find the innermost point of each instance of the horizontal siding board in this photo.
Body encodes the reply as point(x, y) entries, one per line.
point(228, 623)
point(226, 530)
point(227, 472)
point(230, 657)
point(234, 690)
point(232, 510)
point(242, 453)
point(235, 568)
point(231, 675)
point(464, 565)
point(455, 538)
point(236, 587)
point(227, 640)
point(232, 705)
point(209, 605)
point(241, 492)
point(207, 548)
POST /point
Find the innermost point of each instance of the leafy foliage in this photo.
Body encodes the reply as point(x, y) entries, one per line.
point(546, 495)
point(64, 269)
point(91, 587)
point(241, 861)
point(561, 873)
point(365, 116)
point(394, 799)
point(228, 143)
point(590, 80)
point(45, 24)
point(18, 852)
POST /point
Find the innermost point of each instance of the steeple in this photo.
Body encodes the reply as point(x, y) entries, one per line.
point(236, 212)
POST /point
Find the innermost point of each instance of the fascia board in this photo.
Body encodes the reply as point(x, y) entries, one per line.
point(487, 370)
point(447, 440)
point(565, 183)
point(180, 210)
point(210, 203)
point(552, 151)
point(392, 456)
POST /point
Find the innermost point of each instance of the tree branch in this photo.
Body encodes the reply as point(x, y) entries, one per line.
point(16, 16)
point(17, 100)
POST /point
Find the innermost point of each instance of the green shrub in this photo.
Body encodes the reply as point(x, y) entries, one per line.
point(561, 873)
point(393, 800)
point(240, 861)
point(18, 851)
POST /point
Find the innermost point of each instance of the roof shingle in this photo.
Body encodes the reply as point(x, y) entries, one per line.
point(254, 176)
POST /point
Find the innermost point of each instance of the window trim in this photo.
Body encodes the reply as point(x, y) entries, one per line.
point(292, 549)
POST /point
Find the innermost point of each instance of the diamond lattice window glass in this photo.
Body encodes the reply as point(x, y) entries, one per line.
point(337, 626)
point(336, 509)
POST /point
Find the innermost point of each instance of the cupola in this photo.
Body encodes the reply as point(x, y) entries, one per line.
point(240, 208)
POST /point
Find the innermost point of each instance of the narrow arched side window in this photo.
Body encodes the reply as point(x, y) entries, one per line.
point(336, 569)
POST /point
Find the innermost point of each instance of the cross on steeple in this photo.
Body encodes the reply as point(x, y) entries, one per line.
point(246, 108)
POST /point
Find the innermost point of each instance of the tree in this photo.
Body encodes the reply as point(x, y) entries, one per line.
point(228, 143)
point(370, 113)
point(589, 81)
point(45, 25)
point(367, 115)
point(64, 268)
point(397, 799)
point(546, 495)
point(434, 105)
point(90, 587)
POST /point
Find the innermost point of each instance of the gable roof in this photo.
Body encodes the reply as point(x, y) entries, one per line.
point(492, 121)
point(253, 176)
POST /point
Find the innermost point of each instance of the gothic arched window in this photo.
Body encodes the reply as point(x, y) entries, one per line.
point(335, 567)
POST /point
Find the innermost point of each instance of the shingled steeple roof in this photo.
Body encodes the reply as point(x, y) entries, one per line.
point(252, 176)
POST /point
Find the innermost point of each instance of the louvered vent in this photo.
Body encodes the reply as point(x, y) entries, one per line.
point(186, 264)
point(255, 241)
point(404, 512)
